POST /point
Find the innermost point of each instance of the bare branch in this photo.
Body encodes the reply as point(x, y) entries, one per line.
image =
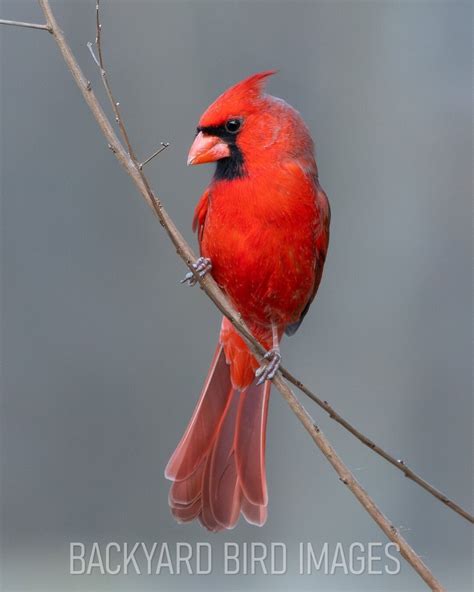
point(26, 25)
point(100, 63)
point(164, 146)
point(98, 26)
point(217, 296)
point(397, 463)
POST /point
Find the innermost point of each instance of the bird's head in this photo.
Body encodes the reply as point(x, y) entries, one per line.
point(245, 128)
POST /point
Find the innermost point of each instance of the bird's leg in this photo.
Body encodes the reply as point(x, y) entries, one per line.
point(202, 266)
point(273, 359)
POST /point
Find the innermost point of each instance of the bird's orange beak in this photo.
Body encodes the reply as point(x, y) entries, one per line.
point(207, 148)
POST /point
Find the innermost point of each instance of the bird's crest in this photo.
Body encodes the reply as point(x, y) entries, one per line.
point(236, 100)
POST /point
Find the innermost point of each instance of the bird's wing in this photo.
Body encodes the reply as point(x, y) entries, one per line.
point(322, 243)
point(200, 214)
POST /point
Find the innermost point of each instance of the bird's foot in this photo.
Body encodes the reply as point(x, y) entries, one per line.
point(201, 266)
point(269, 368)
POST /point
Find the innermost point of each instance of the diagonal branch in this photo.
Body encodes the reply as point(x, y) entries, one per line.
point(217, 296)
point(397, 463)
point(105, 80)
point(116, 105)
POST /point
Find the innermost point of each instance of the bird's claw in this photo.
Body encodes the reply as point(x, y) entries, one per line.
point(202, 266)
point(268, 370)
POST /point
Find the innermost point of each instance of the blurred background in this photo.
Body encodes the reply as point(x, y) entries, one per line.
point(104, 352)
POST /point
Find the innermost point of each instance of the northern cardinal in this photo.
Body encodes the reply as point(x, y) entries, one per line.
point(263, 231)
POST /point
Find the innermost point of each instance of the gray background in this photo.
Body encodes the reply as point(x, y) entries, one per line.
point(104, 352)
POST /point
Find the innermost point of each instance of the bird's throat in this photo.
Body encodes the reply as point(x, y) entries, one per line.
point(232, 167)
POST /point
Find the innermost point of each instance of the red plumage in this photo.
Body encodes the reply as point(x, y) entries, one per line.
point(264, 224)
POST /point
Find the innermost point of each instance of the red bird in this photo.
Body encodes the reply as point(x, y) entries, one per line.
point(263, 230)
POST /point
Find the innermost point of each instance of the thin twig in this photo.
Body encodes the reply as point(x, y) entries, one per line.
point(105, 80)
point(217, 296)
point(164, 146)
point(397, 463)
point(26, 25)
point(98, 27)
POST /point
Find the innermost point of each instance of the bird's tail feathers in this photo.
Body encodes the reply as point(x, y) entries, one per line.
point(218, 468)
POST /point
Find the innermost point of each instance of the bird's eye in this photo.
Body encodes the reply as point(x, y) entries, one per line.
point(233, 125)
